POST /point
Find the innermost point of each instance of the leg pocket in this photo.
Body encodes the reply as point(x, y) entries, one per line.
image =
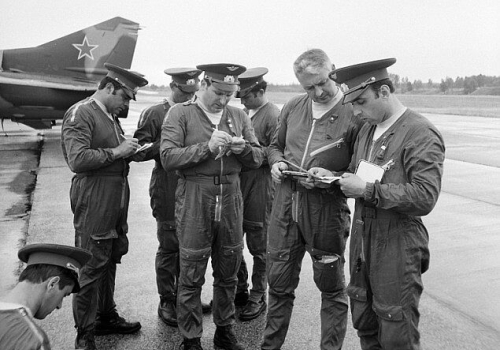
point(394, 330)
point(329, 276)
point(193, 264)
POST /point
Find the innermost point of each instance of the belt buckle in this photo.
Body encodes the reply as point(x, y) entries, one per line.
point(217, 180)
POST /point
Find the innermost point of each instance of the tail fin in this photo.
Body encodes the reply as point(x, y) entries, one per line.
point(80, 55)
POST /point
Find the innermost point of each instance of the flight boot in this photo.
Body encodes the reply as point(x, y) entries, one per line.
point(191, 344)
point(225, 338)
point(114, 324)
point(85, 340)
point(167, 312)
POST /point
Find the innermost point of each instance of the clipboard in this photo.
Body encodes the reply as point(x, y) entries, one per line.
point(369, 172)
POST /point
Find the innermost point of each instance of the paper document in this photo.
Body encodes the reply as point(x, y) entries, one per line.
point(369, 172)
point(143, 147)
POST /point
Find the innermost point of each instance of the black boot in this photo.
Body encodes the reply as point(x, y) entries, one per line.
point(206, 307)
point(253, 310)
point(167, 312)
point(191, 344)
point(225, 338)
point(241, 298)
point(85, 340)
point(114, 324)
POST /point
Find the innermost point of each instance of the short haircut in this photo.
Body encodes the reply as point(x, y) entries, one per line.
point(39, 273)
point(378, 84)
point(311, 61)
point(107, 80)
point(260, 86)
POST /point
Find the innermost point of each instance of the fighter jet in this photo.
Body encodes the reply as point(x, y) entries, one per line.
point(38, 84)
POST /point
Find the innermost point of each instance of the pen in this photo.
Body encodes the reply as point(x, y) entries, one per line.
point(387, 165)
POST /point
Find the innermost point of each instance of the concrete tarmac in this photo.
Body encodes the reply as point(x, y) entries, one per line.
point(460, 306)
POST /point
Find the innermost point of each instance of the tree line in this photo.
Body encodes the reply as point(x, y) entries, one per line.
point(475, 84)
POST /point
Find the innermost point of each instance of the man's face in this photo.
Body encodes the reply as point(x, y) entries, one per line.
point(318, 85)
point(369, 107)
point(214, 98)
point(252, 100)
point(52, 299)
point(117, 101)
point(180, 96)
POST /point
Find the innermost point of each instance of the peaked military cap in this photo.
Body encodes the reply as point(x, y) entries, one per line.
point(185, 78)
point(71, 258)
point(249, 79)
point(130, 81)
point(359, 77)
point(223, 74)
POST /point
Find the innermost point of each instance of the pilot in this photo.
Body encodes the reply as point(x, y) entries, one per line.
point(256, 188)
point(314, 129)
point(208, 142)
point(389, 247)
point(96, 150)
point(184, 84)
point(51, 274)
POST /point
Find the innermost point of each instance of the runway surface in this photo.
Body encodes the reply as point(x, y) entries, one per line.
point(460, 307)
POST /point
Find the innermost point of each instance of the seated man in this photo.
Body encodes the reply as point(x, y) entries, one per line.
point(51, 275)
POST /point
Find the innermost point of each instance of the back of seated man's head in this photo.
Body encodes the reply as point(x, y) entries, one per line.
point(39, 273)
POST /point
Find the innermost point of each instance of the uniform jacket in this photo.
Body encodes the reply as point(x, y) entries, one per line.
point(163, 184)
point(87, 137)
point(185, 136)
point(327, 142)
point(18, 331)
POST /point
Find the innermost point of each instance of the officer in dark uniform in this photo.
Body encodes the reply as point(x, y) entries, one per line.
point(184, 84)
point(389, 248)
point(208, 142)
point(96, 151)
point(256, 187)
point(51, 274)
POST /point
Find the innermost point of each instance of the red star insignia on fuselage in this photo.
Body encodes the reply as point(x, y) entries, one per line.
point(85, 49)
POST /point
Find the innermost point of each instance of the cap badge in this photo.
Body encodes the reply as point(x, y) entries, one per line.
point(229, 78)
point(72, 267)
point(333, 76)
point(190, 82)
point(232, 68)
point(191, 73)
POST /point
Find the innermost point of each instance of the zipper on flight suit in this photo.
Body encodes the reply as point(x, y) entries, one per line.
point(296, 194)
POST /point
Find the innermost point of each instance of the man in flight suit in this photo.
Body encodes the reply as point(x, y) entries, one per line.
point(184, 84)
point(314, 129)
point(96, 151)
point(208, 142)
point(51, 274)
point(389, 247)
point(257, 188)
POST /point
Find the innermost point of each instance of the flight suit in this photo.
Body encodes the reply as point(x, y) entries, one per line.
point(389, 244)
point(99, 198)
point(316, 220)
point(162, 199)
point(204, 180)
point(257, 190)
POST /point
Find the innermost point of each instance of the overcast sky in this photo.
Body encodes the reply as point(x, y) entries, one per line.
point(431, 39)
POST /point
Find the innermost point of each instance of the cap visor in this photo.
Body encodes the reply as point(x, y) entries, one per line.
point(350, 97)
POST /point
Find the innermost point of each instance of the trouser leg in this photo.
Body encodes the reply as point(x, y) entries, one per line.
point(256, 241)
point(167, 261)
point(193, 265)
point(225, 264)
point(242, 276)
point(330, 280)
point(93, 277)
point(283, 277)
